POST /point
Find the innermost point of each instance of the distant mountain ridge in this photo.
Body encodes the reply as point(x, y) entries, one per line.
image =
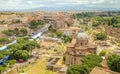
point(71, 8)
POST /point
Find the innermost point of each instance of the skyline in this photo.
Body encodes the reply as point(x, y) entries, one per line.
point(75, 5)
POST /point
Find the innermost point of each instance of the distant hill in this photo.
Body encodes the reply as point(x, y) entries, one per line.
point(68, 8)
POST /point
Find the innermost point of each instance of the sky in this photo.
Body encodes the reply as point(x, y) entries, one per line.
point(60, 4)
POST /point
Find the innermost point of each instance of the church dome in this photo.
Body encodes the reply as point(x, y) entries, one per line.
point(82, 35)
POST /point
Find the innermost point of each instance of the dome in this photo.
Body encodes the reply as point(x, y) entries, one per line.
point(82, 35)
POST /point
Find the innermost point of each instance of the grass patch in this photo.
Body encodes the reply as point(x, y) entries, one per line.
point(37, 68)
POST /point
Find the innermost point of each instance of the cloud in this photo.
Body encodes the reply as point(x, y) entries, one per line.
point(97, 2)
point(30, 4)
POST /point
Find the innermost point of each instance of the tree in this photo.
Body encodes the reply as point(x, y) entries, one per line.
point(21, 40)
point(30, 45)
point(11, 62)
point(16, 31)
point(22, 48)
point(1, 69)
point(24, 44)
point(23, 31)
point(88, 63)
point(59, 34)
point(1, 56)
point(8, 32)
point(91, 60)
point(113, 20)
point(20, 54)
point(55, 50)
point(114, 62)
point(64, 58)
point(16, 21)
point(117, 25)
point(51, 29)
point(15, 47)
point(73, 69)
point(4, 40)
point(68, 24)
point(95, 24)
point(78, 69)
point(34, 24)
point(101, 36)
point(102, 53)
point(5, 52)
point(67, 39)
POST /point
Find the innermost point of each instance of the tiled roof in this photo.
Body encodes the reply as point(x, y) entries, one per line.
point(98, 70)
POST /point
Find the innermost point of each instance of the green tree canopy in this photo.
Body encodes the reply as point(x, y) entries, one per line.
point(11, 62)
point(21, 54)
point(8, 32)
point(30, 45)
point(114, 62)
point(1, 56)
point(78, 69)
point(4, 40)
point(4, 53)
point(23, 31)
point(35, 23)
point(88, 63)
point(1, 69)
point(102, 53)
point(23, 44)
point(100, 36)
point(67, 39)
point(59, 34)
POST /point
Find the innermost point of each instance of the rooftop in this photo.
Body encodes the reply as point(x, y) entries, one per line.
point(98, 70)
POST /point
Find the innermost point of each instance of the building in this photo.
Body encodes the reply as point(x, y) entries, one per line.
point(71, 31)
point(98, 70)
point(79, 47)
point(58, 20)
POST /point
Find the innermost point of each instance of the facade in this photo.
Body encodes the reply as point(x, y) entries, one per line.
point(79, 47)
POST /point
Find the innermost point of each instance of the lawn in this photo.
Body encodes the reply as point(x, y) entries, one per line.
point(38, 68)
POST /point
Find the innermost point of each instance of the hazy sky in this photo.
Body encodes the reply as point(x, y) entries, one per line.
point(80, 4)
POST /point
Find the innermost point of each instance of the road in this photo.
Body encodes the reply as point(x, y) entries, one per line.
point(44, 29)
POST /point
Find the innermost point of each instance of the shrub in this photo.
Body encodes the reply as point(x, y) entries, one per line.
point(101, 36)
point(102, 53)
point(113, 62)
point(11, 62)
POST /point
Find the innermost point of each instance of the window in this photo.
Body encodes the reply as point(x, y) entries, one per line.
point(81, 43)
